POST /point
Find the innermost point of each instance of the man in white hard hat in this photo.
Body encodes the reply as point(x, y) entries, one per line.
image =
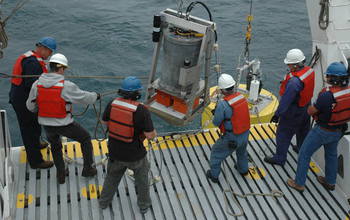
point(296, 91)
point(52, 97)
point(232, 117)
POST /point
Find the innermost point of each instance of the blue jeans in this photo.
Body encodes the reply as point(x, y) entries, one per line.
point(313, 141)
point(222, 149)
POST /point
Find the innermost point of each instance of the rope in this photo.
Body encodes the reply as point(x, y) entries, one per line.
point(5, 75)
point(323, 18)
point(273, 193)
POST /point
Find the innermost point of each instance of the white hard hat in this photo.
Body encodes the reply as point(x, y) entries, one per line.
point(59, 58)
point(226, 81)
point(294, 56)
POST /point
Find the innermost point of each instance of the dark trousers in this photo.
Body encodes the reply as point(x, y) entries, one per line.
point(73, 131)
point(115, 172)
point(30, 132)
point(285, 133)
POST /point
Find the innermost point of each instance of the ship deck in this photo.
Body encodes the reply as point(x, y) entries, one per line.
point(184, 192)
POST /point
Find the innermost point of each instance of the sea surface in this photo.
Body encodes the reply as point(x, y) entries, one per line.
point(113, 37)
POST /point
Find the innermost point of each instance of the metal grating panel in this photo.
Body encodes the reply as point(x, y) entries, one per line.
point(184, 192)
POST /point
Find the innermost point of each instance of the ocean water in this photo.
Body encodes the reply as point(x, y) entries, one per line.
point(105, 37)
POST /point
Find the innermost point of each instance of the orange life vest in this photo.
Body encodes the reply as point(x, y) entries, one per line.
point(121, 122)
point(341, 110)
point(49, 100)
point(240, 118)
point(17, 69)
point(307, 76)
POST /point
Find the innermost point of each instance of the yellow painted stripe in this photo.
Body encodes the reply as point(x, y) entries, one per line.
point(194, 140)
point(104, 147)
point(23, 200)
point(178, 142)
point(186, 142)
point(170, 143)
point(77, 148)
point(314, 167)
point(214, 133)
point(96, 147)
point(23, 156)
point(70, 151)
point(91, 192)
point(201, 139)
point(209, 138)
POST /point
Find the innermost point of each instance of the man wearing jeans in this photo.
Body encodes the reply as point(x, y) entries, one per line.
point(52, 97)
point(129, 123)
point(331, 112)
point(232, 116)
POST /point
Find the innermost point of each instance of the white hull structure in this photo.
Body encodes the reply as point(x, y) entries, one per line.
point(330, 30)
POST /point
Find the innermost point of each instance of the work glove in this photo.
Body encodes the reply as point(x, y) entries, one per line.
point(274, 119)
point(98, 96)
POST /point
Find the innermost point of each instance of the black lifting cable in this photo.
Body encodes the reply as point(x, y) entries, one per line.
point(191, 6)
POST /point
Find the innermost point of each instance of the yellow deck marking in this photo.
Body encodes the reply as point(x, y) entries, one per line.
point(201, 139)
point(104, 147)
point(209, 139)
point(314, 167)
point(178, 142)
point(162, 142)
point(194, 140)
point(254, 174)
point(23, 156)
point(92, 191)
point(77, 148)
point(96, 148)
point(186, 141)
point(70, 151)
point(214, 133)
point(23, 200)
point(170, 144)
point(269, 131)
point(262, 133)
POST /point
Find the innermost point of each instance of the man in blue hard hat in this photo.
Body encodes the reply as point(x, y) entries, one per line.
point(331, 113)
point(296, 91)
point(129, 123)
point(30, 63)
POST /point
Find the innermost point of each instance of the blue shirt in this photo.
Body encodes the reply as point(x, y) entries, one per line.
point(223, 111)
point(324, 104)
point(289, 100)
point(30, 66)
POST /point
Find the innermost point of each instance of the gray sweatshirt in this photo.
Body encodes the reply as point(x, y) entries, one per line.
point(70, 93)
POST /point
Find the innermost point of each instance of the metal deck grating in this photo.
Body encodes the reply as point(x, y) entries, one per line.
point(184, 192)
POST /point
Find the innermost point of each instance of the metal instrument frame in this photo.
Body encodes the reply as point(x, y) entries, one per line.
point(207, 28)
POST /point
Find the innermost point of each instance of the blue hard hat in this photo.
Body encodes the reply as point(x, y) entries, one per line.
point(131, 84)
point(336, 69)
point(48, 42)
